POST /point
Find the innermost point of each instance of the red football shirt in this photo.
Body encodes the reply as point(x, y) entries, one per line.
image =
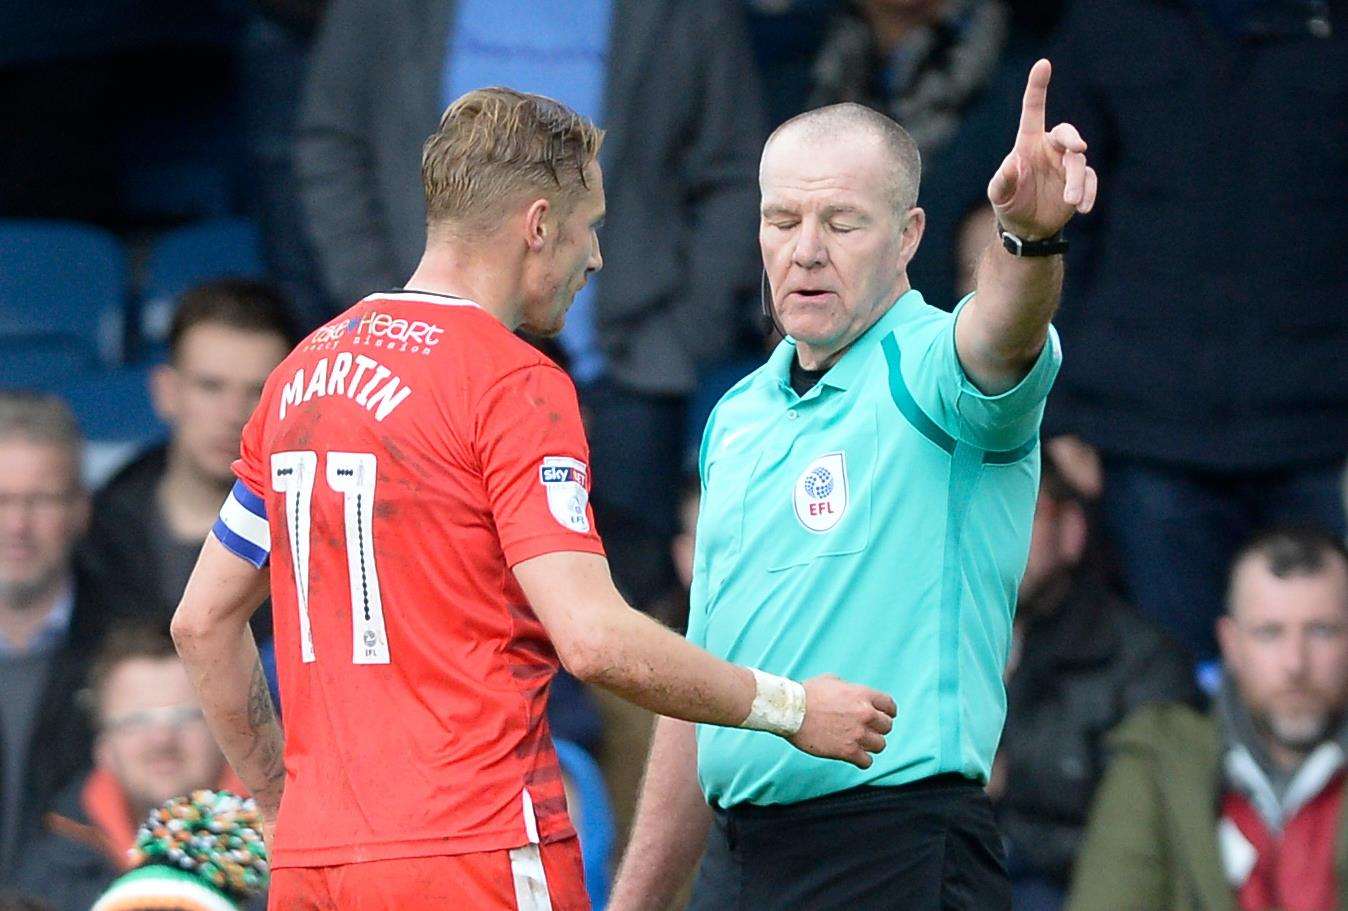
point(402, 459)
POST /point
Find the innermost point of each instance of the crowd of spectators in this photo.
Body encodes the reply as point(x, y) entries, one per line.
point(151, 745)
point(1176, 665)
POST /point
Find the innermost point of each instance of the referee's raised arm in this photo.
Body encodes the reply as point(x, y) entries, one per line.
point(1041, 183)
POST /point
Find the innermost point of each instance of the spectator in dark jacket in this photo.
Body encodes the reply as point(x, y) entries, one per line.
point(1206, 314)
point(1081, 661)
point(674, 85)
point(49, 616)
point(151, 518)
point(152, 744)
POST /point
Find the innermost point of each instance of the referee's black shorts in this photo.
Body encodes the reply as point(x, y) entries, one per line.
point(927, 846)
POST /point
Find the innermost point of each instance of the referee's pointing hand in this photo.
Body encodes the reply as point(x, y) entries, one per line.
point(1045, 179)
point(844, 721)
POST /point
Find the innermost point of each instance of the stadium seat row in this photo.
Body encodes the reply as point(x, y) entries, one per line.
point(73, 322)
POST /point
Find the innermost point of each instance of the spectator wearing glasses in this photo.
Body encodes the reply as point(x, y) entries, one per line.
point(152, 744)
point(49, 616)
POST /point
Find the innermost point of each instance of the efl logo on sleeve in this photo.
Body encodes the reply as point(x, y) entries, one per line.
point(565, 481)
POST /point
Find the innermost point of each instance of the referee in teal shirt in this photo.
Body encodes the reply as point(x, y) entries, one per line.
point(867, 501)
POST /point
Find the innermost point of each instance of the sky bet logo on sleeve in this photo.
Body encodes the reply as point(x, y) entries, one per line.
point(566, 481)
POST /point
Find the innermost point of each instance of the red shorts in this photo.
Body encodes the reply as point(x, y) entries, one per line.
point(533, 878)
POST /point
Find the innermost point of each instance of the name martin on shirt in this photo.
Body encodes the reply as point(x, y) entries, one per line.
point(352, 375)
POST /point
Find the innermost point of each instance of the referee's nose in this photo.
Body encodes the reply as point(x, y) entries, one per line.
point(809, 251)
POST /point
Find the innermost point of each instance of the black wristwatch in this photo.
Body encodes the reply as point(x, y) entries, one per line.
point(1019, 246)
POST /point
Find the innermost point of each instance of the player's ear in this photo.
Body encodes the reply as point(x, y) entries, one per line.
point(536, 225)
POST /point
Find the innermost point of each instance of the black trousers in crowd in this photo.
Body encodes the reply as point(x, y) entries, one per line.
point(927, 846)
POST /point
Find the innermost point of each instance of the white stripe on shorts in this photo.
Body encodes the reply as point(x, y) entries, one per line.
point(530, 820)
point(531, 882)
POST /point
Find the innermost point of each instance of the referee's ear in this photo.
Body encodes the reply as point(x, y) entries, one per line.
point(914, 225)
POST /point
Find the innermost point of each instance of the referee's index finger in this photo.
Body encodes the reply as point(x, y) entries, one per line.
point(884, 703)
point(1034, 102)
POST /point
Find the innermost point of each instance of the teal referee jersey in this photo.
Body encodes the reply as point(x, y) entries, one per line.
point(875, 528)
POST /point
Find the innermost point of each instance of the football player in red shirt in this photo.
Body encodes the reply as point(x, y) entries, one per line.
point(417, 478)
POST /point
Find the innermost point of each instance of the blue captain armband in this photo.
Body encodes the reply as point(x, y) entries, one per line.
point(242, 526)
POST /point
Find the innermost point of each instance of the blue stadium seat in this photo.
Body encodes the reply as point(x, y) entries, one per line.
point(113, 406)
point(593, 818)
point(184, 257)
point(187, 256)
point(42, 361)
point(62, 289)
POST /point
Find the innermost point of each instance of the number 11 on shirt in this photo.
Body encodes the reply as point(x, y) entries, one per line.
point(353, 475)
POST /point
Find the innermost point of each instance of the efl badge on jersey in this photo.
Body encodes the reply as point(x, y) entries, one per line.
point(564, 479)
point(821, 492)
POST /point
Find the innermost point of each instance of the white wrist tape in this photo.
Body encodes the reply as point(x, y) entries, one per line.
point(779, 705)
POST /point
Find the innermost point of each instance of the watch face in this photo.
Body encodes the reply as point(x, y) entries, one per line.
point(1049, 246)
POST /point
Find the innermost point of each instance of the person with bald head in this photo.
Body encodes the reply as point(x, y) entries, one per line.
point(867, 500)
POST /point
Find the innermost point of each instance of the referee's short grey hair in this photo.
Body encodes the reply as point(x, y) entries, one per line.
point(840, 119)
point(40, 417)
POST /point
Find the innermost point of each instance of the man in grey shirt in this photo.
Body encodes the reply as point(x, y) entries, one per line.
point(48, 617)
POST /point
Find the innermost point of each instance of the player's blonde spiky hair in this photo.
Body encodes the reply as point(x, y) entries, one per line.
point(496, 146)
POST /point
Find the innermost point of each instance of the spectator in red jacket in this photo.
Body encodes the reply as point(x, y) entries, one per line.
point(1241, 808)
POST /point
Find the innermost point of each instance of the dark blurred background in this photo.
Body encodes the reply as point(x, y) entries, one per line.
point(186, 189)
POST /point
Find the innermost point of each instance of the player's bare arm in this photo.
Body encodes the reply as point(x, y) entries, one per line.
point(670, 827)
point(603, 641)
point(210, 629)
point(1039, 186)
